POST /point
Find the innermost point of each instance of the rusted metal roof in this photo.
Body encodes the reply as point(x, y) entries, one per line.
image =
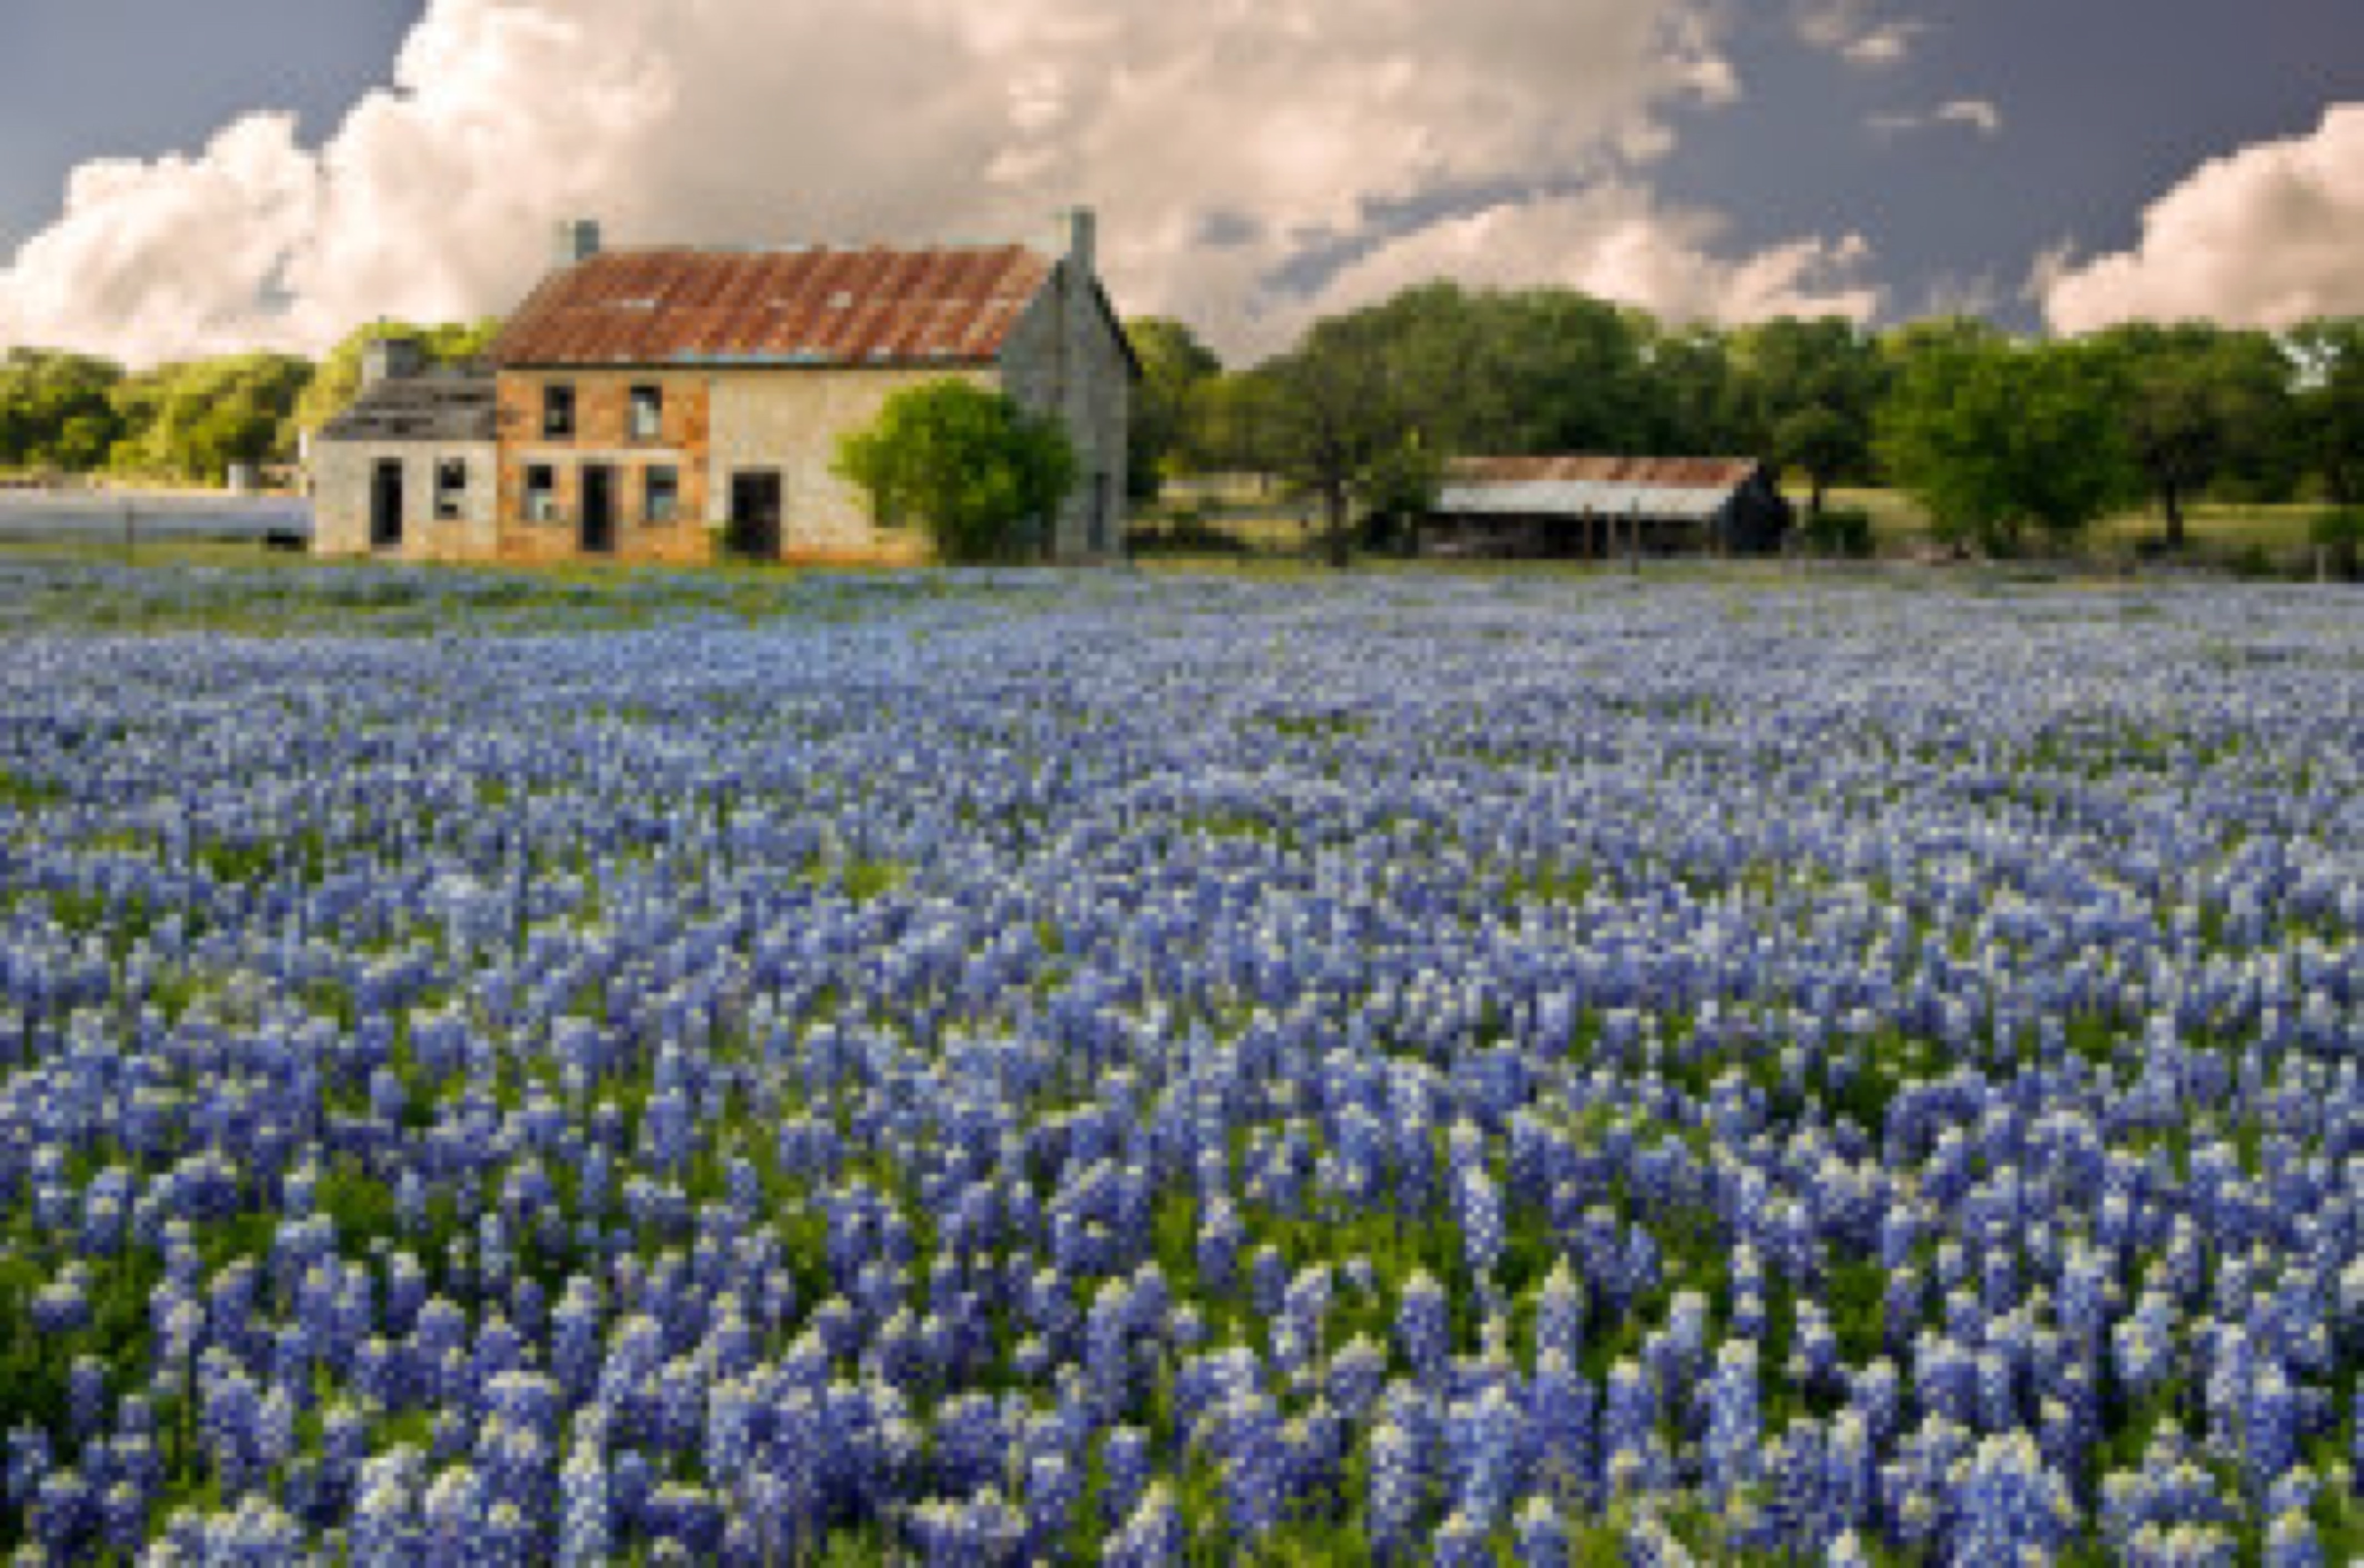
point(950, 305)
point(1661, 472)
point(1678, 487)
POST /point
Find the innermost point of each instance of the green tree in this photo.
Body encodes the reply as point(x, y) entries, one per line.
point(55, 409)
point(1232, 424)
point(2194, 395)
point(1176, 369)
point(1338, 421)
point(969, 466)
point(190, 421)
point(1995, 438)
point(1808, 392)
point(1491, 372)
point(1693, 392)
point(2329, 354)
point(1824, 443)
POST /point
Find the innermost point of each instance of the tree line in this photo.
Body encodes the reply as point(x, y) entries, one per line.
point(2003, 440)
point(64, 413)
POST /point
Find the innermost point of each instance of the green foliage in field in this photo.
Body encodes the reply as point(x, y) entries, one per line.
point(1999, 440)
point(970, 467)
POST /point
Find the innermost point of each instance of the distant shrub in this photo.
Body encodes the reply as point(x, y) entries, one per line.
point(2339, 533)
point(1184, 531)
point(1839, 531)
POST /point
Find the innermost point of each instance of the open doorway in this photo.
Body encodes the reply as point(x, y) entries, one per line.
point(598, 510)
point(385, 505)
point(753, 533)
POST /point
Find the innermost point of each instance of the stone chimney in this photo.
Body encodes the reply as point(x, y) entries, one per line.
point(1083, 238)
point(391, 359)
point(577, 241)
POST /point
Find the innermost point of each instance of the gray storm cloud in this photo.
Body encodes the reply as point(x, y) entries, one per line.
point(1297, 127)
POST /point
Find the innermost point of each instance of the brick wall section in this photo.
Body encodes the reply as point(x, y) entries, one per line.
point(603, 436)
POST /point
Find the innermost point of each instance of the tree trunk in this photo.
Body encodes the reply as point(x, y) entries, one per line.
point(2171, 499)
point(1814, 507)
point(1338, 545)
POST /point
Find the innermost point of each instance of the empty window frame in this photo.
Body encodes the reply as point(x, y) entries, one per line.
point(541, 494)
point(558, 412)
point(662, 495)
point(451, 488)
point(647, 413)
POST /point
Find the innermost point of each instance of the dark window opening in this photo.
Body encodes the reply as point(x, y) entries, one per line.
point(451, 488)
point(558, 411)
point(648, 413)
point(541, 494)
point(664, 496)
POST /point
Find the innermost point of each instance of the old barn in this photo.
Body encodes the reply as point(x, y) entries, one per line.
point(1598, 507)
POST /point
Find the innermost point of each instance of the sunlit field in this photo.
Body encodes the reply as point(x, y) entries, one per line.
point(1006, 1068)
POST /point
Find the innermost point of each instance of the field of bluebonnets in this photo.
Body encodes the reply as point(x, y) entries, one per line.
point(974, 1070)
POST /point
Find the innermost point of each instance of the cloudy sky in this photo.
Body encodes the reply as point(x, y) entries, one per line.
point(178, 177)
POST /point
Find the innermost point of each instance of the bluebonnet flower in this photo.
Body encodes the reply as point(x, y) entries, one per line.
point(1422, 1326)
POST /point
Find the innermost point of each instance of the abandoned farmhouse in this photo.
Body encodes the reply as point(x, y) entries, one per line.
point(666, 405)
point(1603, 508)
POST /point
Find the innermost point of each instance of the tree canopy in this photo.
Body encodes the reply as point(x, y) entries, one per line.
point(971, 467)
point(2192, 395)
point(56, 410)
point(1995, 437)
point(1338, 415)
point(1175, 370)
point(192, 421)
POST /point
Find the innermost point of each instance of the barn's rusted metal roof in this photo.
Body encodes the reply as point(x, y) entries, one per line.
point(1680, 487)
point(950, 305)
point(1668, 473)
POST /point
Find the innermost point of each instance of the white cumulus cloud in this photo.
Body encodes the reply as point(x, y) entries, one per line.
point(2267, 237)
point(1617, 242)
point(1856, 32)
point(1978, 114)
point(1298, 128)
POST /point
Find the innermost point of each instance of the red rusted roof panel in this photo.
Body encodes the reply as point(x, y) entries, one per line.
point(1663, 473)
point(814, 307)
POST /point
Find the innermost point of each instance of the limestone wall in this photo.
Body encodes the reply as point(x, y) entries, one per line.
point(1064, 360)
point(790, 421)
point(343, 475)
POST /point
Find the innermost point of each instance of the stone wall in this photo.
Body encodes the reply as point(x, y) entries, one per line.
point(603, 436)
point(1064, 360)
point(344, 474)
point(789, 421)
